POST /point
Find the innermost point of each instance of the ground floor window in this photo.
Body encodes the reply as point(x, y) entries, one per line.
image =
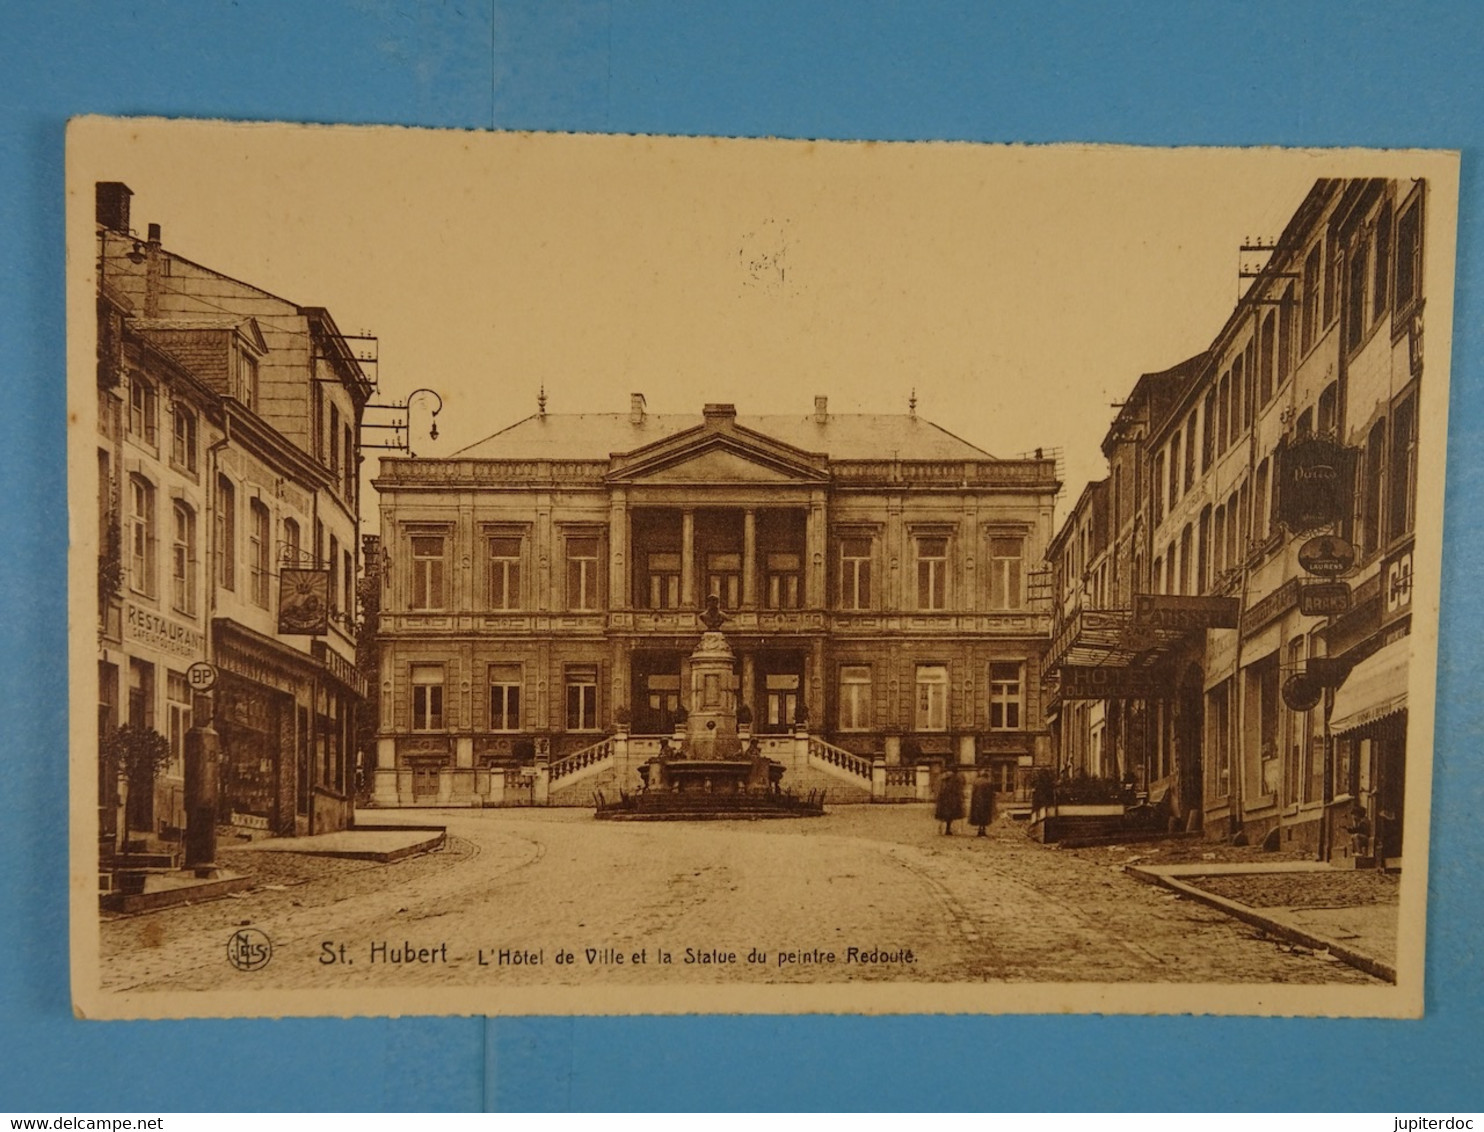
point(427, 697)
point(855, 697)
point(582, 697)
point(782, 706)
point(1006, 696)
point(178, 698)
point(505, 682)
point(932, 698)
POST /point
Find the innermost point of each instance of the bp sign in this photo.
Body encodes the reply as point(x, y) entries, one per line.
point(1327, 556)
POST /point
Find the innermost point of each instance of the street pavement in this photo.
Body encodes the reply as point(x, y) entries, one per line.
point(915, 906)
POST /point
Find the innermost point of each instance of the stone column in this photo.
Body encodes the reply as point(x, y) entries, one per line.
point(878, 777)
point(749, 559)
point(688, 558)
point(814, 559)
point(620, 572)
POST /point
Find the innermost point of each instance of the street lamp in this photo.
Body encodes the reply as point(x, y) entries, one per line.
point(398, 442)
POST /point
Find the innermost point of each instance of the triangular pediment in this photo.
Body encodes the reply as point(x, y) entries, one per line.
point(713, 455)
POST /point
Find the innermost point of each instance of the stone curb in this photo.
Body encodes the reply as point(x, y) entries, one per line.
point(1281, 928)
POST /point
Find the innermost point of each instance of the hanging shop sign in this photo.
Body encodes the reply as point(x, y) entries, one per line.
point(1324, 599)
point(1327, 556)
point(1302, 691)
point(1086, 682)
point(1170, 611)
point(303, 601)
point(1315, 483)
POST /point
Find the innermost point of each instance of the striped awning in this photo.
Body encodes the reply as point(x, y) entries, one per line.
point(1375, 688)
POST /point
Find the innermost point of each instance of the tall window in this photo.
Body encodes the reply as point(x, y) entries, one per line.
point(142, 535)
point(427, 572)
point(1309, 317)
point(1190, 440)
point(334, 440)
point(1409, 256)
point(348, 571)
point(1208, 428)
point(1005, 555)
point(781, 707)
point(427, 697)
point(1242, 389)
point(932, 698)
point(226, 533)
point(1006, 695)
point(334, 564)
point(1285, 335)
point(1370, 488)
point(1185, 561)
point(1203, 553)
point(504, 576)
point(505, 697)
point(351, 467)
point(1159, 491)
point(183, 438)
point(1260, 513)
point(1174, 470)
point(1265, 350)
point(855, 573)
point(785, 581)
point(247, 379)
point(259, 543)
point(1403, 476)
point(1218, 542)
point(582, 572)
point(582, 697)
point(1224, 413)
point(664, 580)
point(1327, 401)
point(291, 542)
point(724, 578)
point(183, 559)
point(662, 695)
point(143, 409)
point(855, 697)
point(1381, 279)
point(1356, 322)
point(932, 573)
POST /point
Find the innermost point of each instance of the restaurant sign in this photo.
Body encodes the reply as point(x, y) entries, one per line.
point(1315, 483)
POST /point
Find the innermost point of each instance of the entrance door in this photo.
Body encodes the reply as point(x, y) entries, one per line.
point(424, 782)
point(1391, 765)
point(1190, 725)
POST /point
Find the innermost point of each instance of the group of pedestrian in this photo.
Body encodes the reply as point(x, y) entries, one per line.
point(950, 806)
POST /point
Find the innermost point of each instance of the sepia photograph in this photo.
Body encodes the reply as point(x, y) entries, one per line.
point(531, 573)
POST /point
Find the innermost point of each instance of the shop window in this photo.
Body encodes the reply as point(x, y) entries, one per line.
point(259, 541)
point(1006, 555)
point(504, 575)
point(583, 593)
point(427, 697)
point(932, 573)
point(505, 682)
point(931, 712)
point(183, 559)
point(1218, 740)
point(183, 438)
point(784, 581)
point(178, 704)
point(1006, 695)
point(724, 579)
point(855, 697)
point(855, 573)
point(427, 572)
point(582, 697)
point(142, 535)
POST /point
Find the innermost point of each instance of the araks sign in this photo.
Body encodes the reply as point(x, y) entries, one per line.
point(1315, 483)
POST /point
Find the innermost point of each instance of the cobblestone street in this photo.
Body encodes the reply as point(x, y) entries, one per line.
point(537, 882)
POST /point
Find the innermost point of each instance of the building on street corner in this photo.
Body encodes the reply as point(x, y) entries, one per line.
point(1233, 602)
point(228, 464)
point(541, 589)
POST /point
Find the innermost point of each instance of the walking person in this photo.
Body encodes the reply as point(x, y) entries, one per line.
point(981, 802)
point(950, 800)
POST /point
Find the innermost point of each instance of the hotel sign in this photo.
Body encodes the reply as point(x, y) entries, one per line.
point(1169, 611)
point(303, 602)
point(163, 632)
point(1086, 682)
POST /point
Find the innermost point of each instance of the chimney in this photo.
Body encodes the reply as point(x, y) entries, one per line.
point(152, 273)
point(111, 205)
point(636, 408)
point(717, 413)
point(821, 409)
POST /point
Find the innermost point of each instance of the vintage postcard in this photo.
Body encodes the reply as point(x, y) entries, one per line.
point(567, 574)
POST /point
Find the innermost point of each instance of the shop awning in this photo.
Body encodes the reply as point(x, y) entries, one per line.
point(1375, 688)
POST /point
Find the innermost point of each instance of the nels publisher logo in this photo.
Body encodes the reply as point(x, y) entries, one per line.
point(249, 949)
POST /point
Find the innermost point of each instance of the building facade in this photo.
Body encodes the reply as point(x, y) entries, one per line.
point(227, 455)
point(541, 590)
point(1258, 656)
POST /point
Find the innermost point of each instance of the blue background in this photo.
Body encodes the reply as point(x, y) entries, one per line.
point(1366, 74)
